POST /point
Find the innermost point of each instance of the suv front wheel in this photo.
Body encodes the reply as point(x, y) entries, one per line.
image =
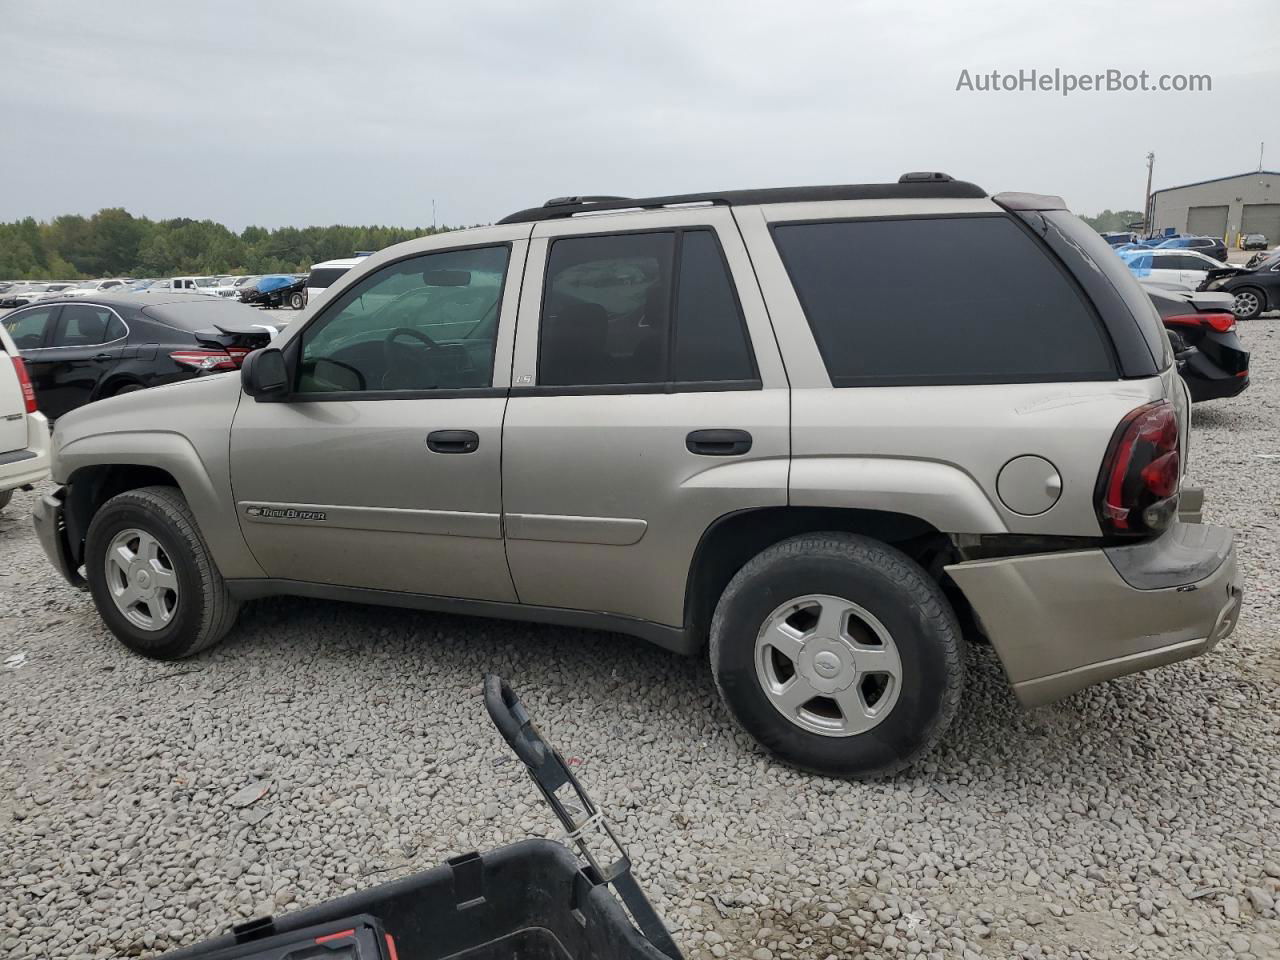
point(152, 578)
point(839, 654)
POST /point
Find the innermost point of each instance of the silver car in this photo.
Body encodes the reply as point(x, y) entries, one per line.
point(741, 425)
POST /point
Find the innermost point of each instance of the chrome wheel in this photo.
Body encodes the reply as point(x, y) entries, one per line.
point(828, 665)
point(141, 579)
point(1246, 304)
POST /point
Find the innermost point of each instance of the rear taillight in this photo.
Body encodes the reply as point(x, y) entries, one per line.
point(1221, 322)
point(206, 359)
point(238, 354)
point(1137, 490)
point(24, 381)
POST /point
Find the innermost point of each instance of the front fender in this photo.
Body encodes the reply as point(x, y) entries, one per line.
point(182, 429)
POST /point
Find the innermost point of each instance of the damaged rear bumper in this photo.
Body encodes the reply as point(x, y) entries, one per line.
point(1064, 621)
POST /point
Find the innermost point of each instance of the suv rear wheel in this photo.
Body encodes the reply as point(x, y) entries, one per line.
point(839, 654)
point(152, 578)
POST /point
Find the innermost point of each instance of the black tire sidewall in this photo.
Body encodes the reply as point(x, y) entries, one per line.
point(926, 682)
point(176, 639)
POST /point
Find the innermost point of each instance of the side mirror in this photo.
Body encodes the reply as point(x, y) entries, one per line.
point(264, 374)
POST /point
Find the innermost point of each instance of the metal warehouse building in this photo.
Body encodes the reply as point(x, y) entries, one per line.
point(1227, 207)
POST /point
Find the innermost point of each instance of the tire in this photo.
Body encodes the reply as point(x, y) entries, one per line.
point(1249, 303)
point(295, 301)
point(192, 616)
point(5, 497)
point(893, 608)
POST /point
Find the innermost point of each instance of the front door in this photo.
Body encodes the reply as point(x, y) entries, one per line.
point(382, 468)
point(648, 400)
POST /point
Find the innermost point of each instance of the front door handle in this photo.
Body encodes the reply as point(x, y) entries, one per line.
point(453, 441)
point(718, 443)
point(103, 356)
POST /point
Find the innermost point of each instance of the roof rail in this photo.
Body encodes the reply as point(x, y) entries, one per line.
point(910, 186)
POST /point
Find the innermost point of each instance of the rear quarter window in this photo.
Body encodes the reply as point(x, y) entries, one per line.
point(940, 300)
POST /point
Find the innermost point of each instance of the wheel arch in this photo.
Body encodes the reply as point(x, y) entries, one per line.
point(100, 466)
point(733, 539)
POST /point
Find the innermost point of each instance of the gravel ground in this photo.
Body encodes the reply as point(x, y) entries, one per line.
point(1136, 819)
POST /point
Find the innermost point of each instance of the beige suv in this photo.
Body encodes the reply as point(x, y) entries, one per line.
point(762, 424)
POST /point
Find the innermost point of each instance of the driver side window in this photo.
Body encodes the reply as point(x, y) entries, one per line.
point(425, 323)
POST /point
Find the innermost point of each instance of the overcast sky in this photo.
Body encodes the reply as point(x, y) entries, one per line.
point(363, 111)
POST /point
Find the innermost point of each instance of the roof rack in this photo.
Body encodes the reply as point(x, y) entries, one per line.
point(928, 185)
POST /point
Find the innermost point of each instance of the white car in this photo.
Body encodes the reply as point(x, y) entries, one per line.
point(322, 275)
point(24, 432)
point(198, 285)
point(88, 287)
point(1182, 268)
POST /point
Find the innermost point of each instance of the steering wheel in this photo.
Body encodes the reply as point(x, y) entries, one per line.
point(395, 361)
point(411, 332)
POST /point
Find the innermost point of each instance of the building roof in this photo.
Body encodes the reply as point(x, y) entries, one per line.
point(1234, 176)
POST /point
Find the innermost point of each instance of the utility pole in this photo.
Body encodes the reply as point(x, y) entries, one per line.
point(1262, 146)
point(433, 214)
point(1146, 210)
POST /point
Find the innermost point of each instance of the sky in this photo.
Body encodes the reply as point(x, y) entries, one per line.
point(365, 111)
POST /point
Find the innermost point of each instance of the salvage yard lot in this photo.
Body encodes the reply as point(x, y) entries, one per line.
point(325, 747)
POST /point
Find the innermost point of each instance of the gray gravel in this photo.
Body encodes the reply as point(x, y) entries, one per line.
point(328, 747)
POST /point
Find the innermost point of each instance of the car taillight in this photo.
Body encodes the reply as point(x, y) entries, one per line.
point(205, 359)
point(24, 381)
point(1137, 490)
point(238, 354)
point(1221, 322)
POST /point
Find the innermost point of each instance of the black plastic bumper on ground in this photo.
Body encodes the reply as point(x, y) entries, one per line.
point(46, 517)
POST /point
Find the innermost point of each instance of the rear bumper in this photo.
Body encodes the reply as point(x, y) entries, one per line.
point(47, 518)
point(30, 465)
point(1064, 621)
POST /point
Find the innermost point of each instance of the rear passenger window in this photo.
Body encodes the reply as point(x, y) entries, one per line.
point(609, 316)
point(940, 300)
point(82, 325)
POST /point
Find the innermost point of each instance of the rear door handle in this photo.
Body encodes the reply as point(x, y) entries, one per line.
point(453, 441)
point(103, 356)
point(718, 443)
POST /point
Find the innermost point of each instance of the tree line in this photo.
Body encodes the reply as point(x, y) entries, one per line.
point(114, 243)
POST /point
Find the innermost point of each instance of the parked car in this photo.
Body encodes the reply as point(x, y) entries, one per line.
point(81, 350)
point(1117, 239)
point(323, 275)
point(1202, 330)
point(1254, 241)
point(1209, 246)
point(276, 290)
point(88, 287)
point(1185, 268)
point(1255, 290)
point(22, 292)
point(197, 285)
point(715, 426)
point(24, 432)
point(228, 286)
point(1258, 257)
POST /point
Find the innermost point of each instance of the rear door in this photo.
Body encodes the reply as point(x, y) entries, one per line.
point(88, 340)
point(31, 330)
point(648, 400)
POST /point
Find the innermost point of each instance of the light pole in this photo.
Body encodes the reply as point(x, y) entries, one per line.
point(1146, 209)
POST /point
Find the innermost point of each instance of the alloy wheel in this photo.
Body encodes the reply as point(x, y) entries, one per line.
point(828, 665)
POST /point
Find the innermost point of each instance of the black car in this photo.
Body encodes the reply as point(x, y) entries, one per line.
point(292, 294)
point(81, 350)
point(1202, 331)
point(1209, 246)
point(1255, 290)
